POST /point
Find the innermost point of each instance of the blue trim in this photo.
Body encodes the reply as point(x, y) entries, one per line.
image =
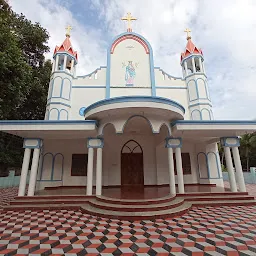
point(58, 113)
point(105, 125)
point(53, 167)
point(217, 165)
point(224, 142)
point(81, 111)
point(209, 113)
point(58, 103)
point(205, 87)
point(134, 99)
point(168, 142)
point(38, 145)
point(151, 62)
point(138, 116)
point(46, 122)
point(190, 57)
point(169, 131)
point(197, 104)
point(171, 87)
point(89, 86)
point(95, 71)
point(61, 72)
point(101, 143)
point(60, 95)
point(213, 122)
point(174, 77)
point(189, 90)
point(207, 166)
point(196, 110)
point(195, 74)
point(65, 53)
point(64, 111)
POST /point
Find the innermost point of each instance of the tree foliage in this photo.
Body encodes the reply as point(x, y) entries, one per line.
point(24, 76)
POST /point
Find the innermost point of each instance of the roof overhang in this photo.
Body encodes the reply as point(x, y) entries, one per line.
point(50, 129)
point(211, 129)
point(119, 106)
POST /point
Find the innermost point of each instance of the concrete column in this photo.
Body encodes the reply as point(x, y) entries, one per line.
point(89, 172)
point(65, 62)
point(230, 168)
point(186, 67)
point(200, 65)
point(193, 65)
point(24, 172)
point(171, 172)
point(33, 172)
point(239, 170)
point(179, 170)
point(72, 66)
point(99, 172)
point(57, 62)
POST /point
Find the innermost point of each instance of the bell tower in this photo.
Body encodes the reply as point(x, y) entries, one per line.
point(193, 70)
point(60, 86)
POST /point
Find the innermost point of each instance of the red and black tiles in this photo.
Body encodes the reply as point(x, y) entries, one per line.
point(201, 231)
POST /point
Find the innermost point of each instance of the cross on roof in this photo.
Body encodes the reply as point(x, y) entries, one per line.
point(187, 30)
point(68, 29)
point(129, 20)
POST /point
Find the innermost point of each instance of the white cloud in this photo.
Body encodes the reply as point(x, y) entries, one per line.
point(223, 29)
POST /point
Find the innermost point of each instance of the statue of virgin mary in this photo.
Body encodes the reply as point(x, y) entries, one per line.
point(130, 73)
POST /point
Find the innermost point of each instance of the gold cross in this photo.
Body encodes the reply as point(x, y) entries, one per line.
point(68, 29)
point(187, 30)
point(129, 19)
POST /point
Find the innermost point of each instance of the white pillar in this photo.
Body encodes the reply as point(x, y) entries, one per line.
point(230, 168)
point(200, 64)
point(24, 172)
point(89, 172)
point(239, 170)
point(186, 67)
point(193, 65)
point(65, 63)
point(179, 170)
point(57, 62)
point(72, 67)
point(33, 172)
point(99, 172)
point(171, 172)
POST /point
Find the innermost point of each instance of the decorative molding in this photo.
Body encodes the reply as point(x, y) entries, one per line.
point(95, 143)
point(171, 142)
point(32, 143)
point(230, 141)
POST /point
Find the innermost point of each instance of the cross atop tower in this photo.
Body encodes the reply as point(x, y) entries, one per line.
point(129, 20)
point(68, 29)
point(187, 30)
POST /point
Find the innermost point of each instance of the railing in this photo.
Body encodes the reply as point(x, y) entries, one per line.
point(249, 177)
point(10, 181)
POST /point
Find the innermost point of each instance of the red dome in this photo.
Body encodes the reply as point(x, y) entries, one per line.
point(66, 47)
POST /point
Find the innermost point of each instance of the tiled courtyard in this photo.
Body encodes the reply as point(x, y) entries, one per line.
point(201, 231)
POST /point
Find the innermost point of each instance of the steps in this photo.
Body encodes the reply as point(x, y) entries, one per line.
point(164, 207)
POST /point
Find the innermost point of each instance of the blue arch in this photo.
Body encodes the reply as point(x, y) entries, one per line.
point(207, 165)
point(62, 85)
point(151, 61)
point(209, 113)
point(64, 110)
point(104, 126)
point(197, 94)
point(199, 114)
point(168, 129)
point(217, 164)
point(58, 118)
point(207, 96)
point(53, 87)
point(42, 167)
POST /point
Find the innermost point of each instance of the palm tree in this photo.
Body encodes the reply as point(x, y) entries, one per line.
point(248, 142)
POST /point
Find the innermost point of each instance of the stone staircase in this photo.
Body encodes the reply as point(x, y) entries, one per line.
point(164, 207)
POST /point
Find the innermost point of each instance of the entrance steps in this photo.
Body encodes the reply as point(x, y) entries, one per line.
point(102, 206)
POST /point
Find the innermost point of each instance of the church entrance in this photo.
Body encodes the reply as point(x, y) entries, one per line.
point(132, 165)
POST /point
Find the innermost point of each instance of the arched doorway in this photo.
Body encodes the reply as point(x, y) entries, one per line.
point(132, 164)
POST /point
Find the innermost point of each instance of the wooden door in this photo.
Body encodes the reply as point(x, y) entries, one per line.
point(132, 164)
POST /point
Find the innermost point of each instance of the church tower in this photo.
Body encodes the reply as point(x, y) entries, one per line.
point(60, 87)
point(192, 62)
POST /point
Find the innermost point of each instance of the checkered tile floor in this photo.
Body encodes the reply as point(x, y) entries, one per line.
point(202, 231)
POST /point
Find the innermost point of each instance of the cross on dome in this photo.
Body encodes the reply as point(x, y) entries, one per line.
point(129, 20)
point(68, 29)
point(187, 30)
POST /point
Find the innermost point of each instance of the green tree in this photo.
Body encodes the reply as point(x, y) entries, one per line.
point(248, 145)
point(24, 77)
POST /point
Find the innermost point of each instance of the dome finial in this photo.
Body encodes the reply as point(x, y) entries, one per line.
point(68, 29)
point(187, 30)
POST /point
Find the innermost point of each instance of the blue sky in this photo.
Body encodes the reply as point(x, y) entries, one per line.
point(223, 29)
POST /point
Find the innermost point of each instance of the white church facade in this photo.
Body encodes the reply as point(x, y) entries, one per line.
point(128, 123)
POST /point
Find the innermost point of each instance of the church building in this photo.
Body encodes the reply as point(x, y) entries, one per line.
point(128, 124)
